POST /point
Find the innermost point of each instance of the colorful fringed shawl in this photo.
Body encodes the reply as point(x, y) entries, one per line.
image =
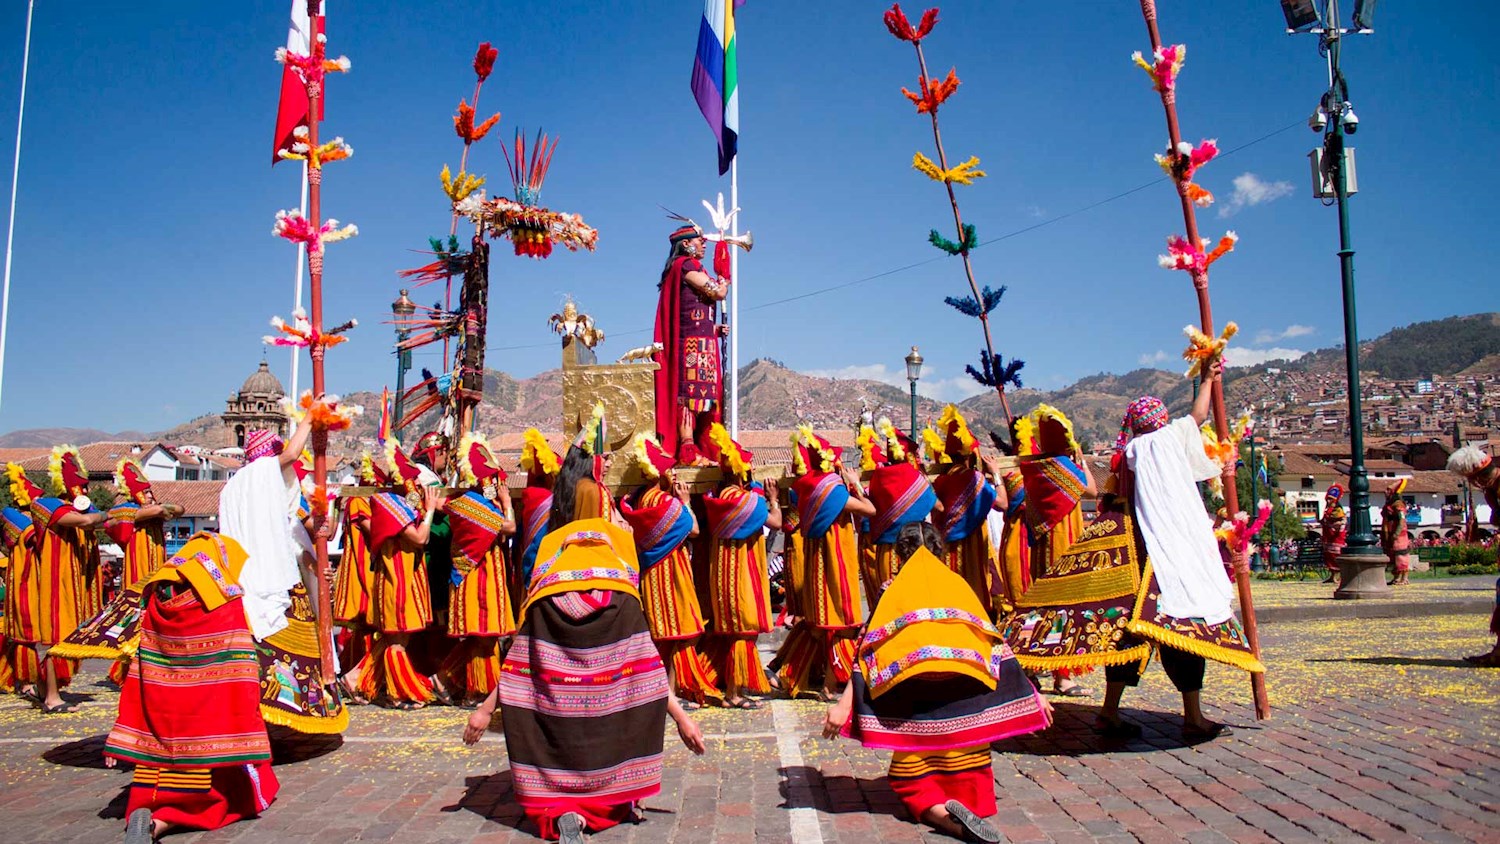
point(144, 543)
point(583, 688)
point(476, 523)
point(1054, 487)
point(736, 514)
point(293, 691)
point(739, 582)
point(933, 673)
point(536, 508)
point(351, 587)
point(113, 633)
point(660, 522)
point(390, 514)
point(661, 526)
point(820, 499)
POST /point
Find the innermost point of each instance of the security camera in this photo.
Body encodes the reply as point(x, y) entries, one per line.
point(1319, 120)
point(1351, 120)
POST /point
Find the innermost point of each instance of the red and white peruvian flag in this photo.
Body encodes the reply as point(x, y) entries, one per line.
point(292, 111)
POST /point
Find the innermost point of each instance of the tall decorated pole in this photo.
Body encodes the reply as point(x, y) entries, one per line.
point(930, 95)
point(1181, 161)
point(314, 233)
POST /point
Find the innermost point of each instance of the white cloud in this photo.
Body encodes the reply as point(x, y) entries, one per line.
point(1036, 211)
point(1155, 358)
point(1239, 356)
point(1291, 331)
point(953, 389)
point(1250, 189)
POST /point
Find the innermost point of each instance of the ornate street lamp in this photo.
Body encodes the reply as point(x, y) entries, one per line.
point(913, 375)
point(1361, 565)
point(402, 309)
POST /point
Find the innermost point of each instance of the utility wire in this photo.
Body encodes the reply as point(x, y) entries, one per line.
point(1007, 236)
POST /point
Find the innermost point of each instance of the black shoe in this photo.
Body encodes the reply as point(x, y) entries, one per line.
point(570, 829)
point(138, 828)
point(1193, 735)
point(975, 828)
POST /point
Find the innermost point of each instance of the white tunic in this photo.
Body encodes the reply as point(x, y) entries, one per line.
point(258, 509)
point(1179, 534)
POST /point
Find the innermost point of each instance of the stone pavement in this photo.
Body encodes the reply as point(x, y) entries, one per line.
point(1380, 733)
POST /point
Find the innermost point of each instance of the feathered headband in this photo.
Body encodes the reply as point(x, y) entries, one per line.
point(66, 468)
point(592, 436)
point(647, 453)
point(537, 457)
point(733, 457)
point(897, 444)
point(403, 472)
point(370, 473)
point(871, 455)
point(957, 438)
point(1469, 461)
point(476, 461)
point(130, 479)
point(811, 453)
point(1395, 489)
point(22, 490)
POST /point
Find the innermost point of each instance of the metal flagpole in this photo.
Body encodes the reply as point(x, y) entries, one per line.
point(15, 173)
point(297, 295)
point(734, 302)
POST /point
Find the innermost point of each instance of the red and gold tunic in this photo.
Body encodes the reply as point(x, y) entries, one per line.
point(353, 582)
point(400, 599)
point(479, 603)
point(143, 541)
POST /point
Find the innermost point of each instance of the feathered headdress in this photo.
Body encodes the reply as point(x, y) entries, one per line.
point(537, 457)
point(1469, 461)
point(66, 468)
point(370, 472)
point(733, 457)
point(871, 455)
point(647, 453)
point(1049, 431)
point(592, 436)
point(957, 439)
point(1394, 490)
point(476, 461)
point(21, 488)
point(897, 444)
point(404, 473)
point(811, 453)
point(934, 444)
point(1334, 494)
point(130, 479)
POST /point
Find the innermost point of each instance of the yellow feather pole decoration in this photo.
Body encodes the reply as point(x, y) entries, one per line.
point(866, 443)
point(18, 486)
point(934, 444)
point(537, 455)
point(893, 445)
point(728, 451)
point(962, 174)
point(1203, 350)
point(642, 459)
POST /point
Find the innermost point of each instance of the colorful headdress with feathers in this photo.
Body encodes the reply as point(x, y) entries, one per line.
point(593, 435)
point(404, 473)
point(647, 453)
point(811, 453)
point(428, 443)
point(476, 461)
point(537, 457)
point(898, 446)
point(871, 454)
point(1394, 490)
point(371, 473)
point(66, 469)
point(1045, 431)
point(958, 440)
point(21, 488)
point(1335, 494)
point(733, 457)
point(130, 479)
point(1469, 461)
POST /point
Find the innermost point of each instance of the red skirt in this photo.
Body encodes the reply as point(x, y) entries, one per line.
point(923, 780)
point(203, 798)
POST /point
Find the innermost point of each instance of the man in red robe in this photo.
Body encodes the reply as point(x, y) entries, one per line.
point(690, 380)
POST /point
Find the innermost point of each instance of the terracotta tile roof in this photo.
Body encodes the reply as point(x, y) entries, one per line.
point(1436, 483)
point(1395, 467)
point(100, 458)
point(197, 498)
point(1297, 464)
point(30, 459)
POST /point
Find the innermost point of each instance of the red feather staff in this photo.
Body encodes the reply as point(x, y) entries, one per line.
point(1181, 161)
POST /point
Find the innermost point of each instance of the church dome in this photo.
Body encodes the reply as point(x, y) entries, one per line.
point(262, 382)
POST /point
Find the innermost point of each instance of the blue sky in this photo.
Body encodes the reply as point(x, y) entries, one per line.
point(145, 271)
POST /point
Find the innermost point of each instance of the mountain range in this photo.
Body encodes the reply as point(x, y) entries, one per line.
point(774, 397)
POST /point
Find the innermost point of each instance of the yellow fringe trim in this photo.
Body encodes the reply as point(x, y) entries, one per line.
point(1162, 636)
point(310, 724)
point(1207, 650)
point(68, 650)
point(1088, 660)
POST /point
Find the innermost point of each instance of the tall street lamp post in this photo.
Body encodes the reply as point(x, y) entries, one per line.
point(913, 374)
point(1361, 564)
point(402, 308)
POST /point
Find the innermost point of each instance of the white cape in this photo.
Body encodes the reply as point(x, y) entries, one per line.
point(1179, 534)
point(258, 510)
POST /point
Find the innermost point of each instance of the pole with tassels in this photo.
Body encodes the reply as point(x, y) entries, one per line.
point(1180, 162)
point(932, 93)
point(324, 410)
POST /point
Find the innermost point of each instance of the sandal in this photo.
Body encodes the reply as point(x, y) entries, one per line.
point(1209, 732)
point(351, 697)
point(406, 705)
point(1118, 730)
point(138, 828)
point(31, 697)
point(742, 703)
point(441, 696)
point(63, 708)
point(570, 829)
point(974, 827)
point(1074, 690)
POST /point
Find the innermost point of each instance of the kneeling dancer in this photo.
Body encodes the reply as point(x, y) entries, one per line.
point(935, 683)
